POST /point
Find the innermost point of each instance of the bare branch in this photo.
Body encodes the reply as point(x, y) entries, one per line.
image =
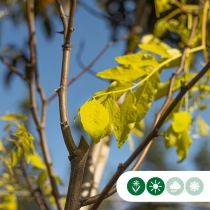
point(153, 134)
point(13, 69)
point(62, 16)
point(32, 68)
point(77, 155)
point(91, 63)
point(37, 194)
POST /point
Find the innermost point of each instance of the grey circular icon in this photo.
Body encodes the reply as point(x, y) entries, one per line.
point(194, 186)
point(175, 186)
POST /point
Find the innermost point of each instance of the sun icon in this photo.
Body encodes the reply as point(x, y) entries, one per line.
point(155, 186)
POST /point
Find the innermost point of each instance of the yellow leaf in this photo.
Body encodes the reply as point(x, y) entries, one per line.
point(182, 145)
point(36, 161)
point(42, 177)
point(128, 115)
point(13, 158)
point(181, 141)
point(135, 60)
point(2, 148)
point(94, 118)
point(9, 117)
point(123, 73)
point(181, 121)
point(155, 48)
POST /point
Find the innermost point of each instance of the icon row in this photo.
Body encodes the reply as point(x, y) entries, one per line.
point(174, 186)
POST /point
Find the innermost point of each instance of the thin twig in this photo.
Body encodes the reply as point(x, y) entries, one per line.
point(91, 63)
point(77, 155)
point(62, 16)
point(32, 68)
point(37, 194)
point(13, 69)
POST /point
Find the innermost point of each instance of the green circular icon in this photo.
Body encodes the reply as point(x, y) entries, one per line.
point(136, 186)
point(194, 186)
point(155, 186)
point(175, 186)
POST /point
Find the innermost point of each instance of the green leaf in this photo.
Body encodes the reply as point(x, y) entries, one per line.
point(58, 180)
point(162, 6)
point(13, 158)
point(115, 86)
point(123, 73)
point(94, 118)
point(2, 148)
point(137, 132)
point(203, 127)
point(114, 112)
point(42, 177)
point(9, 188)
point(156, 49)
point(128, 115)
point(181, 141)
point(182, 145)
point(136, 60)
point(8, 126)
point(145, 95)
point(36, 161)
point(181, 121)
point(175, 109)
point(19, 154)
point(9, 117)
point(203, 106)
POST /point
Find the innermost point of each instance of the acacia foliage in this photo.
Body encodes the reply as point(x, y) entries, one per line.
point(137, 77)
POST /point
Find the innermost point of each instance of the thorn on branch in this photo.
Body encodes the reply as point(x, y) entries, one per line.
point(120, 166)
point(72, 29)
point(57, 90)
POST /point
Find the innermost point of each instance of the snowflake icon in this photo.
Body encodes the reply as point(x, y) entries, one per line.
point(194, 186)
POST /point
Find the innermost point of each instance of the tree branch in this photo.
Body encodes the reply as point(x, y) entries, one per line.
point(172, 80)
point(91, 63)
point(153, 134)
point(77, 155)
point(13, 69)
point(158, 121)
point(33, 70)
point(38, 197)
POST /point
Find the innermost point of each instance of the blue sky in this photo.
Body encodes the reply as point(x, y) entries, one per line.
point(96, 34)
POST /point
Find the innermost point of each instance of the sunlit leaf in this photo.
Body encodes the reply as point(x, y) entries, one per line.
point(135, 60)
point(181, 121)
point(122, 73)
point(128, 115)
point(94, 118)
point(36, 161)
point(183, 144)
point(9, 117)
point(42, 177)
point(181, 141)
point(155, 48)
point(145, 95)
